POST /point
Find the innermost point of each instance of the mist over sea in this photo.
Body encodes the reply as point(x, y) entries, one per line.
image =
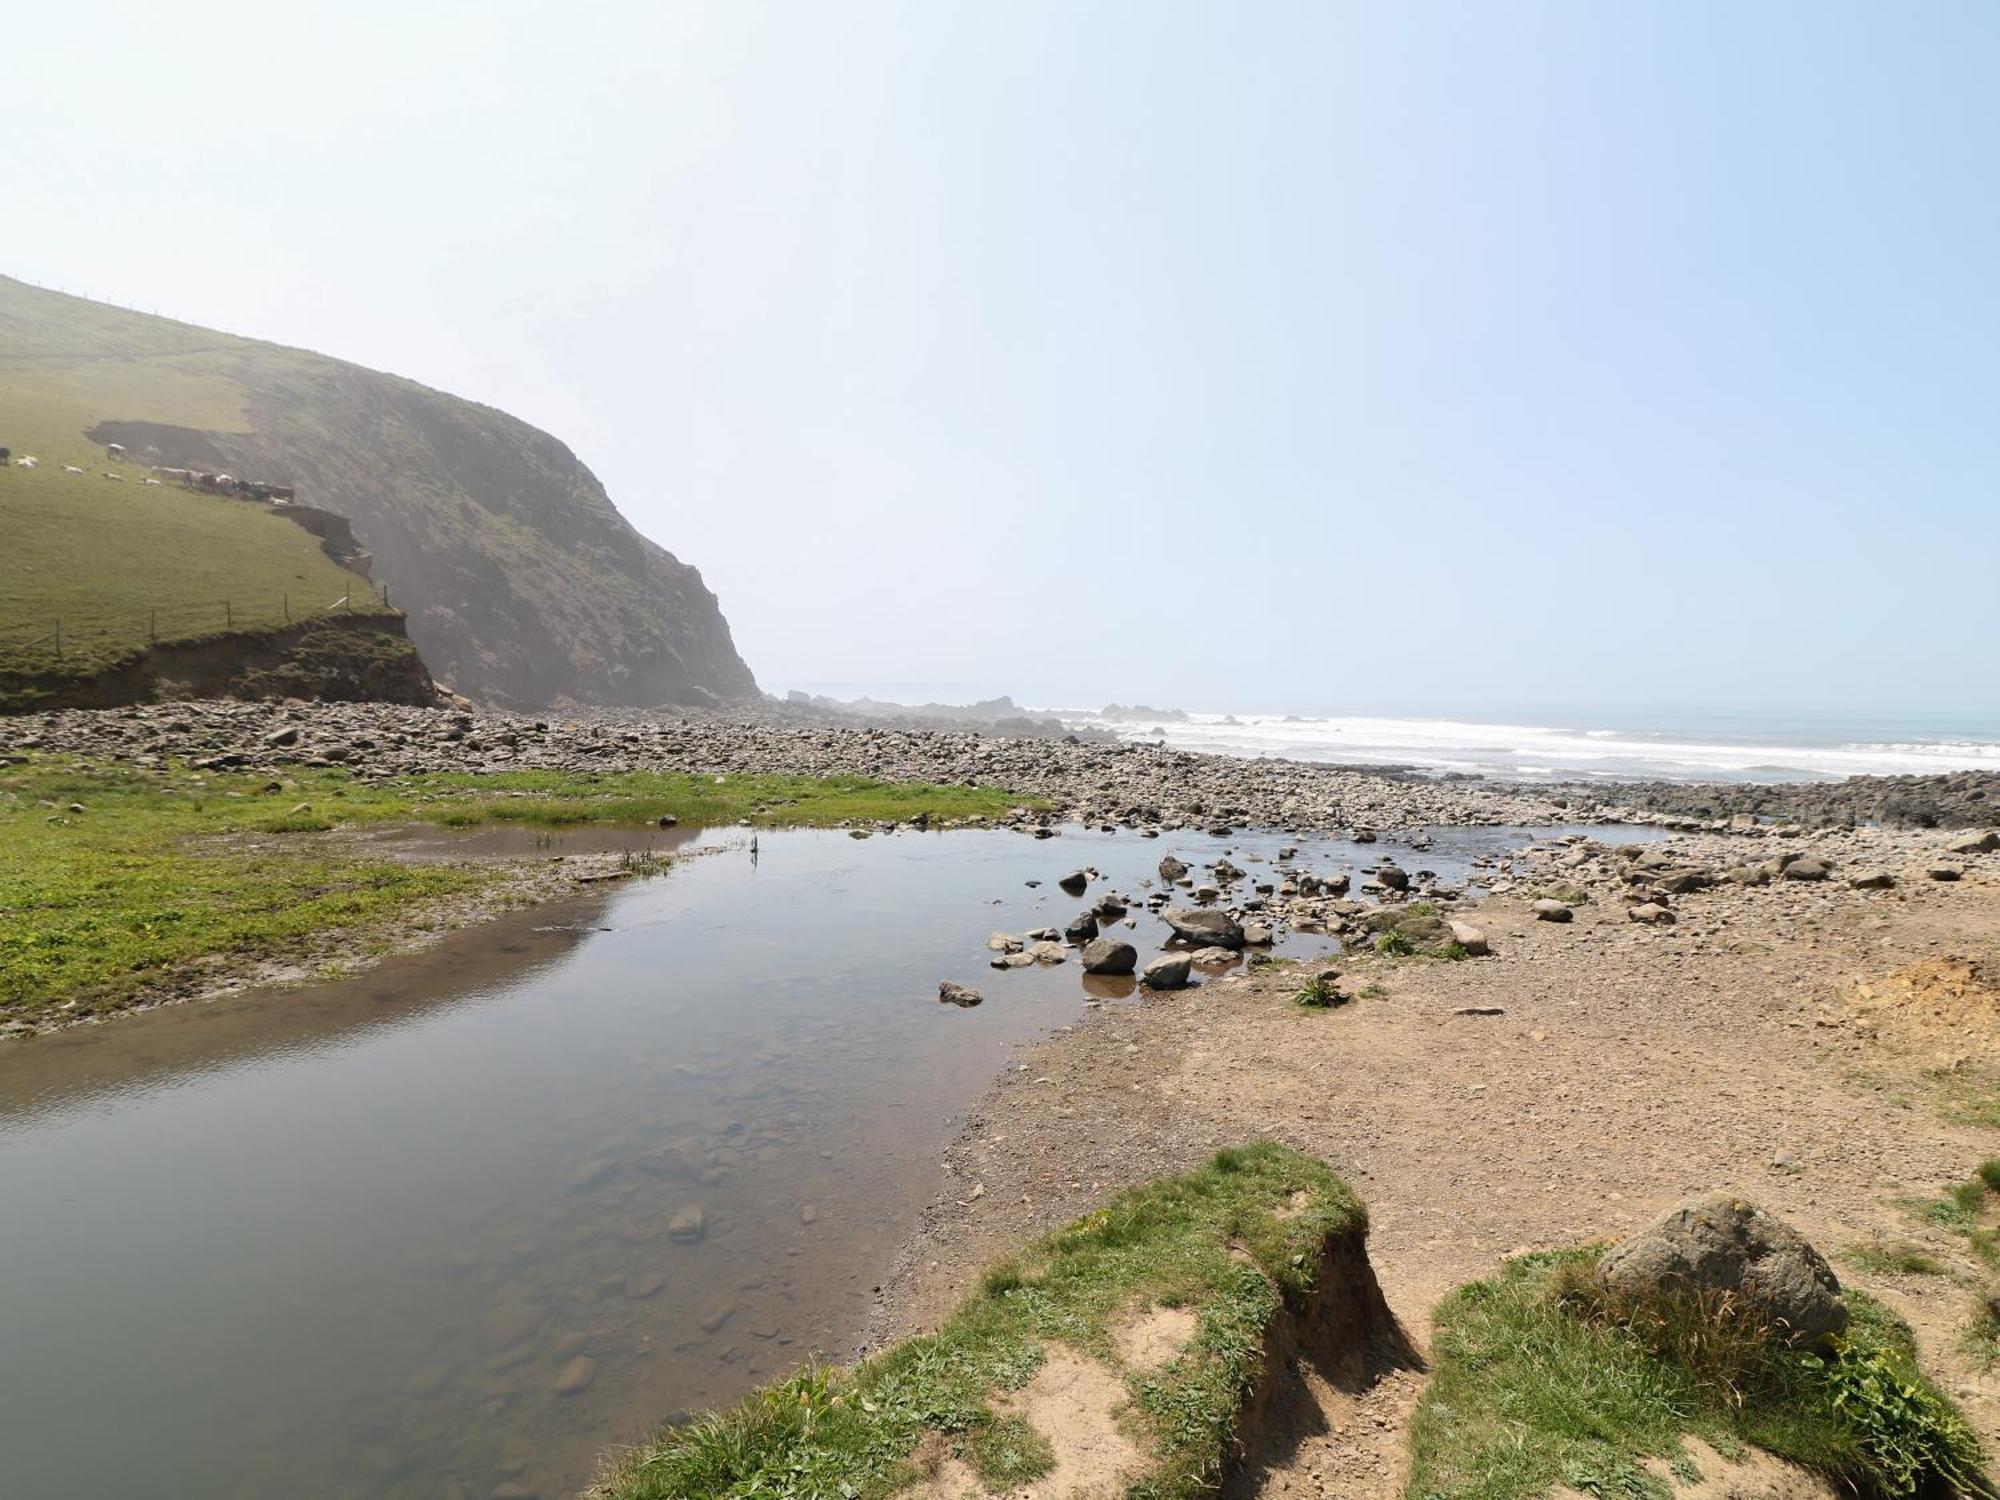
point(1686, 749)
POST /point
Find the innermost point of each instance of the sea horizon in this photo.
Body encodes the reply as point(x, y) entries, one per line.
point(1582, 747)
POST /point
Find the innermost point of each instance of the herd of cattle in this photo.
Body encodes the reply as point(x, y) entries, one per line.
point(187, 479)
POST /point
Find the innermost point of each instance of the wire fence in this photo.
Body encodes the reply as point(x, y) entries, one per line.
point(74, 639)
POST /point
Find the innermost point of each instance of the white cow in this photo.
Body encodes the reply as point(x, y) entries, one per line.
point(114, 478)
point(71, 469)
point(150, 480)
point(26, 463)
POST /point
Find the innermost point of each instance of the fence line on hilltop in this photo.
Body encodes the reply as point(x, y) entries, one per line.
point(57, 639)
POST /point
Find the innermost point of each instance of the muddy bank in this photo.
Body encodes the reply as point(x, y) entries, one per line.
point(1789, 1041)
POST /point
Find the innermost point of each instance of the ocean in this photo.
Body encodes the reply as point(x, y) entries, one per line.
point(1686, 749)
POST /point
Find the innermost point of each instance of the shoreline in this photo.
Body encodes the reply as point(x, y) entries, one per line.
point(1805, 1044)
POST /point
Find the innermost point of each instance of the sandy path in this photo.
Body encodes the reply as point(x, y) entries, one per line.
point(1633, 1067)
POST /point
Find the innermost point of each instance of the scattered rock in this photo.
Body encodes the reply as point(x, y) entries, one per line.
point(958, 994)
point(1871, 880)
point(1074, 882)
point(1552, 911)
point(1470, 938)
point(1652, 914)
point(575, 1376)
point(1109, 956)
point(1168, 973)
point(1204, 927)
point(1725, 1245)
point(688, 1224)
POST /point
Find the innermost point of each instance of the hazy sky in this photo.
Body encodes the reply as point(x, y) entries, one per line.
point(1472, 357)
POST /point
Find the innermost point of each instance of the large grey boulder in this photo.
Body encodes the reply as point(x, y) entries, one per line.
point(1172, 870)
point(1169, 973)
point(1109, 956)
point(1976, 843)
point(1205, 928)
point(1724, 1245)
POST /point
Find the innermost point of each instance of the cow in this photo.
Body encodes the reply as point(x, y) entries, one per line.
point(71, 469)
point(114, 478)
point(149, 479)
point(114, 451)
point(26, 463)
point(284, 493)
point(5, 454)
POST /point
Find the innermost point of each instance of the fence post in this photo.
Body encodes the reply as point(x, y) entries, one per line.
point(385, 596)
point(153, 626)
point(228, 615)
point(287, 597)
point(59, 640)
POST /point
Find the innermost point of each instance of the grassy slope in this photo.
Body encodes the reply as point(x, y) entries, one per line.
point(104, 557)
point(522, 579)
point(849, 1434)
point(1528, 1392)
point(141, 889)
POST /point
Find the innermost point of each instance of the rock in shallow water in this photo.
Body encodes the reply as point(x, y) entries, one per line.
point(1109, 956)
point(1169, 973)
point(958, 994)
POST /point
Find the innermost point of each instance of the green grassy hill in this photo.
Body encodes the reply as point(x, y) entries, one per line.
point(523, 583)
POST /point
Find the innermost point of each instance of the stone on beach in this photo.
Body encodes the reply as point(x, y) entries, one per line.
point(688, 1224)
point(1728, 1246)
point(1109, 956)
point(1204, 928)
point(1470, 938)
point(958, 994)
point(1552, 911)
point(1074, 882)
point(1169, 973)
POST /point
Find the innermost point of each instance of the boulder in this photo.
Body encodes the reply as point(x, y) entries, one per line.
point(1109, 956)
point(1652, 914)
point(1807, 867)
point(1046, 952)
point(1552, 911)
point(1172, 870)
point(1257, 935)
point(958, 994)
point(1203, 927)
point(1724, 1245)
point(1211, 957)
point(1081, 930)
point(1168, 973)
point(1074, 882)
point(1393, 877)
point(1004, 942)
point(1109, 907)
point(1470, 938)
point(1943, 872)
point(1978, 843)
point(1871, 880)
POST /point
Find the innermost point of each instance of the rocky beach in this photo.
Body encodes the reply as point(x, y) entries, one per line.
point(1784, 992)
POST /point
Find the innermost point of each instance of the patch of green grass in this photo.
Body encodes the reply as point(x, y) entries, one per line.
point(852, 1434)
point(1530, 1389)
point(1894, 1257)
point(1960, 1209)
point(1393, 944)
point(1374, 992)
point(168, 875)
point(1566, 891)
point(1989, 1174)
point(1009, 1451)
point(1982, 1337)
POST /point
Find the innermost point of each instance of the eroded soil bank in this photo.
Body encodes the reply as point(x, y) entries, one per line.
point(1833, 1054)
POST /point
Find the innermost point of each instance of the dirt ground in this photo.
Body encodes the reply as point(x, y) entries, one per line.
point(1810, 1048)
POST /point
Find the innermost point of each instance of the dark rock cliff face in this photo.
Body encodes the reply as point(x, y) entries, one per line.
point(523, 584)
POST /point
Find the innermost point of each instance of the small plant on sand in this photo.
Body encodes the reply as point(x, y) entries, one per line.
point(1894, 1257)
point(1321, 992)
point(1394, 944)
point(1982, 1339)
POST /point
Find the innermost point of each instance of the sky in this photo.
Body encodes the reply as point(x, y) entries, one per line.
point(1467, 358)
